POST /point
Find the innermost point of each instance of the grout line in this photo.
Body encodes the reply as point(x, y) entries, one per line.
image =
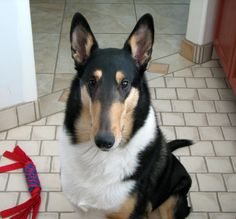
point(135, 10)
point(58, 49)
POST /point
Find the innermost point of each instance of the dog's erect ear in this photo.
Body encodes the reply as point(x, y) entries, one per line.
point(82, 39)
point(141, 40)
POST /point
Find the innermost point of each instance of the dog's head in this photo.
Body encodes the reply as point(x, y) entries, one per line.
point(108, 82)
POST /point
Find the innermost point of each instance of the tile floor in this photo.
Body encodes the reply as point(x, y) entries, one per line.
point(192, 101)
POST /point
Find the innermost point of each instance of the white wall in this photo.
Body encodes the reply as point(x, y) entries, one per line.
point(201, 21)
point(17, 68)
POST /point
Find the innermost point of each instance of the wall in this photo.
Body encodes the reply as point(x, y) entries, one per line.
point(17, 68)
point(201, 21)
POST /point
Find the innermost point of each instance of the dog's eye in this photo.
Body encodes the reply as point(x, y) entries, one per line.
point(124, 84)
point(92, 83)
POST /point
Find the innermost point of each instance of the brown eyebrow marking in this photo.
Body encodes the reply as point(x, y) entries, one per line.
point(119, 76)
point(98, 74)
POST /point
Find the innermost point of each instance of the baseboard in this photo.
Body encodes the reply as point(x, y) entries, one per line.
point(196, 53)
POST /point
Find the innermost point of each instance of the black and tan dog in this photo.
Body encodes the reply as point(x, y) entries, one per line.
point(115, 162)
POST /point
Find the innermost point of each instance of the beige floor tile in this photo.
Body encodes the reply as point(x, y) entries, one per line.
point(225, 106)
point(55, 164)
point(210, 133)
point(50, 181)
point(3, 181)
point(69, 216)
point(42, 163)
point(227, 201)
point(199, 72)
point(30, 147)
point(182, 152)
point(17, 182)
point(168, 132)
point(216, 83)
point(26, 113)
point(230, 181)
point(62, 81)
point(175, 82)
point(121, 17)
point(50, 104)
point(187, 132)
point(162, 105)
point(10, 199)
point(20, 133)
point(47, 17)
point(218, 72)
point(152, 94)
point(45, 51)
point(225, 148)
point(194, 215)
point(3, 135)
point(174, 23)
point(195, 119)
point(222, 216)
point(203, 106)
point(226, 94)
point(172, 119)
point(182, 105)
point(166, 93)
point(219, 164)
point(187, 94)
point(204, 201)
point(8, 119)
point(229, 133)
point(44, 84)
point(165, 45)
point(43, 133)
point(194, 186)
point(58, 132)
point(211, 63)
point(56, 119)
point(208, 94)
point(216, 119)
point(232, 117)
point(24, 196)
point(211, 182)
point(176, 62)
point(38, 122)
point(7, 145)
point(157, 82)
point(202, 148)
point(194, 164)
point(58, 202)
point(48, 216)
point(184, 73)
point(195, 83)
point(50, 148)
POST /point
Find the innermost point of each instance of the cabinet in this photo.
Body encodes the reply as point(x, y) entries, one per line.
point(225, 39)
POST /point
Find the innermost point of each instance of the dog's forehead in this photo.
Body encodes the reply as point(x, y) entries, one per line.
point(110, 61)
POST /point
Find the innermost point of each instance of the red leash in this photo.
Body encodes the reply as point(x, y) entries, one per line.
point(23, 210)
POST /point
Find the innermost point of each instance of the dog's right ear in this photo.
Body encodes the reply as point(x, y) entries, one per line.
point(83, 42)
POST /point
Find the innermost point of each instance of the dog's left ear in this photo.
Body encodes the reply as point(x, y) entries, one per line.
point(141, 40)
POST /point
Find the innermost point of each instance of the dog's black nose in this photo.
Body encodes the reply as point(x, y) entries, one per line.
point(104, 140)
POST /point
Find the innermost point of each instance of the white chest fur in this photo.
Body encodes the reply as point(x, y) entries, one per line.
point(92, 179)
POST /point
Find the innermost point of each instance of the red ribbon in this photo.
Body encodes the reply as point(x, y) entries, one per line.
point(23, 210)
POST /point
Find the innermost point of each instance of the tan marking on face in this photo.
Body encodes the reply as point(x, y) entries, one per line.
point(126, 209)
point(119, 76)
point(121, 117)
point(88, 122)
point(167, 208)
point(98, 74)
